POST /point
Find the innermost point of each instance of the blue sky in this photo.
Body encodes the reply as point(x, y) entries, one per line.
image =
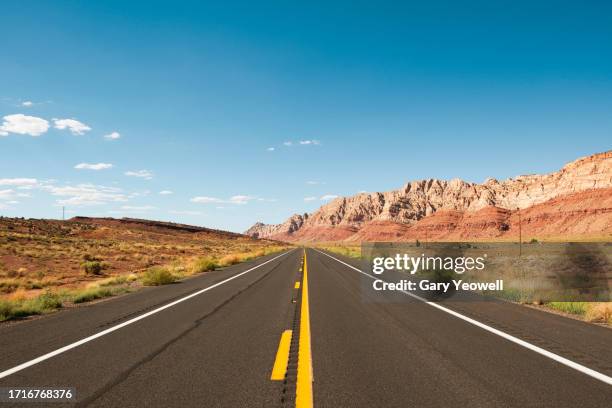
point(378, 93)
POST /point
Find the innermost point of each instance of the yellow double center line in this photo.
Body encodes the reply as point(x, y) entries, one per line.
point(303, 393)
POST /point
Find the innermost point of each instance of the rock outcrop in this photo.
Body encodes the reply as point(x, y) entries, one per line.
point(458, 209)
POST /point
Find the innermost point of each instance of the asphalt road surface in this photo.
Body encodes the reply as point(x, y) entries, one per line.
point(274, 332)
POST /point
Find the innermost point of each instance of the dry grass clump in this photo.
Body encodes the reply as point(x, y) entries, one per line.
point(599, 313)
point(229, 260)
point(96, 292)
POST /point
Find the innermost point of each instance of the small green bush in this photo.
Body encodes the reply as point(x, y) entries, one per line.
point(204, 265)
point(158, 276)
point(92, 267)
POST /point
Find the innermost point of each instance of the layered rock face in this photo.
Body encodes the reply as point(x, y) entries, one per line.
point(458, 209)
point(261, 230)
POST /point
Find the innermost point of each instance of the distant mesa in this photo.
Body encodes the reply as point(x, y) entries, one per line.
point(574, 202)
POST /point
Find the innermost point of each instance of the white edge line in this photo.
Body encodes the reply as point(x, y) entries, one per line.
point(569, 363)
point(126, 323)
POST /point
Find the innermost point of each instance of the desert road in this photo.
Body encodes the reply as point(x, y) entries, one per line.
point(275, 332)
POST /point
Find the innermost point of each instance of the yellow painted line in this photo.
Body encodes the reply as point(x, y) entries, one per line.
point(297, 285)
point(303, 392)
point(282, 357)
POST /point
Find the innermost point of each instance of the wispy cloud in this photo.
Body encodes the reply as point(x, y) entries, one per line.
point(328, 197)
point(85, 194)
point(206, 200)
point(166, 192)
point(314, 183)
point(241, 199)
point(112, 136)
point(93, 166)
point(288, 143)
point(309, 142)
point(270, 149)
point(74, 126)
point(310, 198)
point(27, 104)
point(19, 182)
point(23, 125)
point(237, 199)
point(145, 174)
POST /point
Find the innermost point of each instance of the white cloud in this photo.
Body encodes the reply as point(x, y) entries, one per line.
point(27, 104)
point(112, 136)
point(328, 197)
point(237, 199)
point(270, 149)
point(85, 194)
point(138, 208)
point(310, 198)
point(240, 199)
point(74, 126)
point(288, 143)
point(145, 174)
point(19, 182)
point(309, 142)
point(185, 212)
point(93, 166)
point(206, 200)
point(165, 192)
point(314, 183)
point(23, 125)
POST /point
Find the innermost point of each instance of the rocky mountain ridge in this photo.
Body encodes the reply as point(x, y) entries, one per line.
point(419, 200)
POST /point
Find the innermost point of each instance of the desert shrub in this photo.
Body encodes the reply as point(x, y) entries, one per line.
point(92, 267)
point(204, 264)
point(158, 275)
